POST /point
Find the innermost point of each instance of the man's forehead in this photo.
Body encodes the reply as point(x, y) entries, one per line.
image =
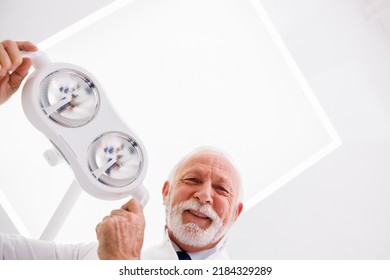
point(209, 162)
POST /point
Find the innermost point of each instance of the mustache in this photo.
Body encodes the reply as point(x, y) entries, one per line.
point(193, 204)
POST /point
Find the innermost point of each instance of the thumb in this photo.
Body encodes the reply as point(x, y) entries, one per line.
point(133, 206)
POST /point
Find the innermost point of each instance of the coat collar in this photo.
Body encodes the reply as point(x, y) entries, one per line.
point(166, 250)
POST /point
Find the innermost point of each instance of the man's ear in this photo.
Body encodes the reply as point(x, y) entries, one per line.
point(239, 208)
point(165, 191)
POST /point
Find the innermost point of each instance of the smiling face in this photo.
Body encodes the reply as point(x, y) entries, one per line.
point(202, 202)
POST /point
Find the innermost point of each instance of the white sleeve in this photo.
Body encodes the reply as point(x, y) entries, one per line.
point(16, 247)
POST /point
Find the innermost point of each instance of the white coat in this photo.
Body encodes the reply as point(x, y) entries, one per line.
point(16, 247)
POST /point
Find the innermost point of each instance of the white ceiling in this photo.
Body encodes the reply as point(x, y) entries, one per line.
point(337, 209)
point(215, 82)
point(378, 10)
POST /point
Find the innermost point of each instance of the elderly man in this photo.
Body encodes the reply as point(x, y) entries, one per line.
point(201, 197)
point(202, 202)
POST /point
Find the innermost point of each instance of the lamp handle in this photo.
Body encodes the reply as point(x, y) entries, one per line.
point(38, 58)
point(141, 194)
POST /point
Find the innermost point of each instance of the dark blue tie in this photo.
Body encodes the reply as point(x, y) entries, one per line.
point(183, 255)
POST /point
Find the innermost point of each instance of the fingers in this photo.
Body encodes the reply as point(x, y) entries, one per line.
point(107, 222)
point(5, 61)
point(115, 215)
point(133, 206)
point(17, 76)
point(13, 67)
point(125, 213)
point(119, 213)
point(10, 56)
point(27, 46)
point(121, 234)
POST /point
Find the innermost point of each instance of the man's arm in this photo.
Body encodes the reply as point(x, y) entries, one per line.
point(121, 235)
point(17, 247)
point(13, 68)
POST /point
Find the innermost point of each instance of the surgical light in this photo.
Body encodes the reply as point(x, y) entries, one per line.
point(68, 105)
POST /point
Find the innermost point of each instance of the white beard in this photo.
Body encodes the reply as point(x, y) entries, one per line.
point(191, 234)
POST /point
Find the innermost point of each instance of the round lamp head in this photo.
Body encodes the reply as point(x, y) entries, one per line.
point(115, 159)
point(69, 98)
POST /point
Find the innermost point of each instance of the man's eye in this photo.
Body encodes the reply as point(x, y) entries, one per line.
point(192, 180)
point(222, 190)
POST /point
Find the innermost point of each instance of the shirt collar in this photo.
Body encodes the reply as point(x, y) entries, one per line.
point(204, 254)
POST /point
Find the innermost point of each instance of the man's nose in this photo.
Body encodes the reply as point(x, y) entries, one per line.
point(204, 194)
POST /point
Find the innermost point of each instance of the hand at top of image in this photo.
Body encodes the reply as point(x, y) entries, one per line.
point(13, 67)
